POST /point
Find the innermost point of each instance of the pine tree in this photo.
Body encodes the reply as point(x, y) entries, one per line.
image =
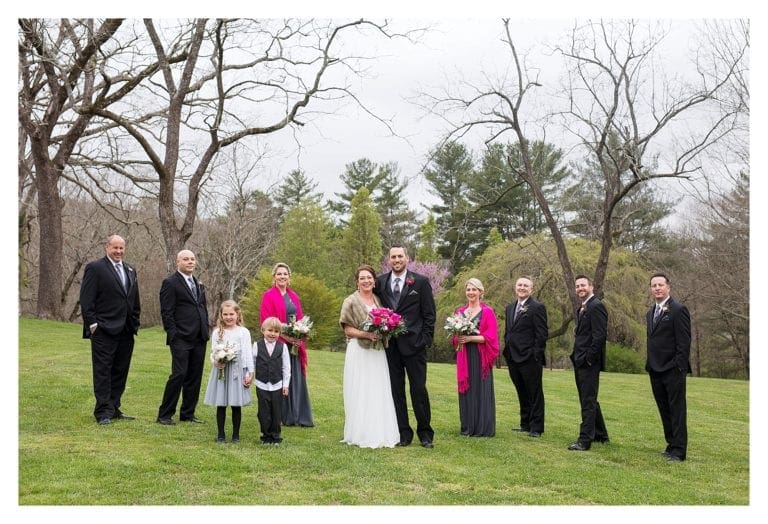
point(296, 188)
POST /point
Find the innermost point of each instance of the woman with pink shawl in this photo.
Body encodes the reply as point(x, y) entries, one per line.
point(475, 358)
point(282, 302)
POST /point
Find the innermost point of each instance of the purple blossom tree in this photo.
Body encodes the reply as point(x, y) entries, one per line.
point(436, 272)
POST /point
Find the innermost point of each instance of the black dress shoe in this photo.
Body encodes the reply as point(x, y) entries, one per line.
point(220, 440)
point(165, 421)
point(534, 434)
point(427, 444)
point(123, 416)
point(578, 446)
point(193, 419)
point(674, 458)
point(104, 421)
point(402, 444)
point(235, 440)
point(664, 453)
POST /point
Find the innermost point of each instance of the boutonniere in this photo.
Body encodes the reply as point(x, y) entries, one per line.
point(409, 281)
point(523, 309)
point(128, 267)
point(664, 309)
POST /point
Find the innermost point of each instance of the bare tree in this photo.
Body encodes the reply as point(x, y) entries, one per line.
point(237, 79)
point(57, 79)
point(624, 113)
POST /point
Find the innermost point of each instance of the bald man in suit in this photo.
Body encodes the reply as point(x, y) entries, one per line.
point(109, 301)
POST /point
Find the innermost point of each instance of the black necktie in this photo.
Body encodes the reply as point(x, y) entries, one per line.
point(396, 290)
point(656, 314)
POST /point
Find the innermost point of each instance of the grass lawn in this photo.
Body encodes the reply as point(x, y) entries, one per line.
point(65, 458)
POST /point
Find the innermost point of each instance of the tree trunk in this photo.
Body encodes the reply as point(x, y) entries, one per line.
point(51, 241)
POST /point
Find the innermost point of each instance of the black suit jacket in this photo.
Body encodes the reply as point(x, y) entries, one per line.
point(590, 335)
point(526, 337)
point(669, 338)
point(416, 306)
point(182, 315)
point(104, 300)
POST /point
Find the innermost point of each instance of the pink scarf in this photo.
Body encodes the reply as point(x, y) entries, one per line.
point(489, 350)
point(273, 305)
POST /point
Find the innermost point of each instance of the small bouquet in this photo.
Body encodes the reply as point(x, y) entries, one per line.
point(460, 324)
point(300, 329)
point(384, 322)
point(224, 353)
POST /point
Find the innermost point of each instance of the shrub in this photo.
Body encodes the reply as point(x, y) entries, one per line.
point(318, 302)
point(621, 359)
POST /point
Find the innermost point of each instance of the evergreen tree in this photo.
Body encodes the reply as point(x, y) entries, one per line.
point(361, 241)
point(360, 173)
point(427, 250)
point(450, 168)
point(398, 221)
point(295, 188)
point(307, 243)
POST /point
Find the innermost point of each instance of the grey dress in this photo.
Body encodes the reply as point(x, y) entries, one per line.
point(296, 409)
point(477, 407)
point(230, 391)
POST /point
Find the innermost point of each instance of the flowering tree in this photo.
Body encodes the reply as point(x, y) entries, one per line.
point(436, 272)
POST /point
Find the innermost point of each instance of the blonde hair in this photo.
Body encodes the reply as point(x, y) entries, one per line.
point(271, 322)
point(278, 266)
point(220, 321)
point(475, 282)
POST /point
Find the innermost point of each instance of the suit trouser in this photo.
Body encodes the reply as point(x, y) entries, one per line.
point(527, 377)
point(111, 359)
point(187, 362)
point(592, 422)
point(270, 403)
point(669, 392)
point(415, 366)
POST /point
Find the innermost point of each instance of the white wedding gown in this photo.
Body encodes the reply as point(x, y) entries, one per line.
point(369, 412)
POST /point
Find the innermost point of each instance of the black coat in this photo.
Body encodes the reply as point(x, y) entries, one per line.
point(590, 335)
point(669, 338)
point(182, 315)
point(416, 306)
point(525, 338)
point(104, 300)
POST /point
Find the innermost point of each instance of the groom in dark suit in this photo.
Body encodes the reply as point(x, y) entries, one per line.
point(410, 295)
point(525, 339)
point(184, 312)
point(668, 326)
point(588, 359)
point(109, 301)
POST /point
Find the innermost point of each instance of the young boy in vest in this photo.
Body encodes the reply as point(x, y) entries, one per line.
point(272, 374)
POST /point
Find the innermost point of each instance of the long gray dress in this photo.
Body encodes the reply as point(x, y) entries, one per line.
point(296, 409)
point(477, 407)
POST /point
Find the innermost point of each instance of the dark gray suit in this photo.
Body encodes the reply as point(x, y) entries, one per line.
point(116, 310)
point(407, 354)
point(588, 359)
point(667, 363)
point(185, 320)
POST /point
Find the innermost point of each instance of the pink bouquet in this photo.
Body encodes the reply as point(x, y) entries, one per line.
point(384, 322)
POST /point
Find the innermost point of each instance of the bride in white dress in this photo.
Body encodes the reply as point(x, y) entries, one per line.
point(369, 412)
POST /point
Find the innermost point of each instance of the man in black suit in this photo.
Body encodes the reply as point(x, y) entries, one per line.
point(668, 326)
point(525, 339)
point(109, 301)
point(588, 359)
point(185, 320)
point(410, 295)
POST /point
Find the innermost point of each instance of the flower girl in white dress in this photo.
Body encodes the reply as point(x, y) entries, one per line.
point(232, 369)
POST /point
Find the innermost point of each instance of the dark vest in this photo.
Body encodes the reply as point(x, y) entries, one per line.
point(268, 369)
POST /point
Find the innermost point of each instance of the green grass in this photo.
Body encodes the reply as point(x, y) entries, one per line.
point(66, 458)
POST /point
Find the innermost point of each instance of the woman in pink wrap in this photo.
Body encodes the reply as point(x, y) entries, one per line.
point(282, 302)
point(475, 358)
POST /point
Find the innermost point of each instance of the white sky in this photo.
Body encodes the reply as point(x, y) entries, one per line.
point(358, 138)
